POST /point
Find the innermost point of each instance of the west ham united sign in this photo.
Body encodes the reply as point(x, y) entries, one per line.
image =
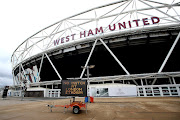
point(118, 26)
point(74, 88)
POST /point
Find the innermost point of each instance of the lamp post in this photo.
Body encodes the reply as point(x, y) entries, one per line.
point(23, 89)
point(88, 67)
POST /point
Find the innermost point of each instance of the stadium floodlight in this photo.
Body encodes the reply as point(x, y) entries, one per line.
point(91, 66)
point(88, 67)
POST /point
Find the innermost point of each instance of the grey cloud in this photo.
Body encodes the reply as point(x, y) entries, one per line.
point(5, 68)
point(5, 81)
point(5, 75)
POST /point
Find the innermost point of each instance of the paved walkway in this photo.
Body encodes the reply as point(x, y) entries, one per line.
point(163, 108)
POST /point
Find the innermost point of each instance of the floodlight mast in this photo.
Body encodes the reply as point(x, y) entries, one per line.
point(24, 88)
point(88, 67)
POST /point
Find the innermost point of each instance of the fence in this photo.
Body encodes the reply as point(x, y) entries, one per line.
point(16, 93)
point(142, 91)
point(158, 90)
point(52, 93)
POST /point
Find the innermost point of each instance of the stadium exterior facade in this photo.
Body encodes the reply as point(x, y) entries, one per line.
point(130, 42)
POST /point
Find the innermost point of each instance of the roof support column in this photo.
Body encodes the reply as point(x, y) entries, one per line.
point(24, 71)
point(88, 58)
point(170, 51)
point(19, 75)
point(167, 57)
point(53, 66)
point(174, 82)
point(40, 67)
point(116, 59)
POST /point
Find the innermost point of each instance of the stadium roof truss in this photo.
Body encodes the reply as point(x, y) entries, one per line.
point(63, 34)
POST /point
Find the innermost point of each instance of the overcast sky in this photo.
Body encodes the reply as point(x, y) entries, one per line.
point(20, 19)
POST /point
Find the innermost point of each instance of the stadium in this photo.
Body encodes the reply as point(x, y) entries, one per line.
point(125, 48)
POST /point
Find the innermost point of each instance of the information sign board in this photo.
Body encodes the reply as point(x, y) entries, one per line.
point(74, 88)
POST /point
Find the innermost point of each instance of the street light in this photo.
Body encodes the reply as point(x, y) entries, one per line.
point(24, 88)
point(88, 67)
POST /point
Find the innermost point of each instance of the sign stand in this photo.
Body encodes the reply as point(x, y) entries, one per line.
point(73, 88)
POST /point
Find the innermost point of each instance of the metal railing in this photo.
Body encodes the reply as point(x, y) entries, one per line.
point(170, 90)
point(52, 93)
point(158, 90)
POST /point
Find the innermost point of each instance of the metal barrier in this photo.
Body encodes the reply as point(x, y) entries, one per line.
point(142, 91)
point(55, 93)
point(158, 90)
point(16, 93)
